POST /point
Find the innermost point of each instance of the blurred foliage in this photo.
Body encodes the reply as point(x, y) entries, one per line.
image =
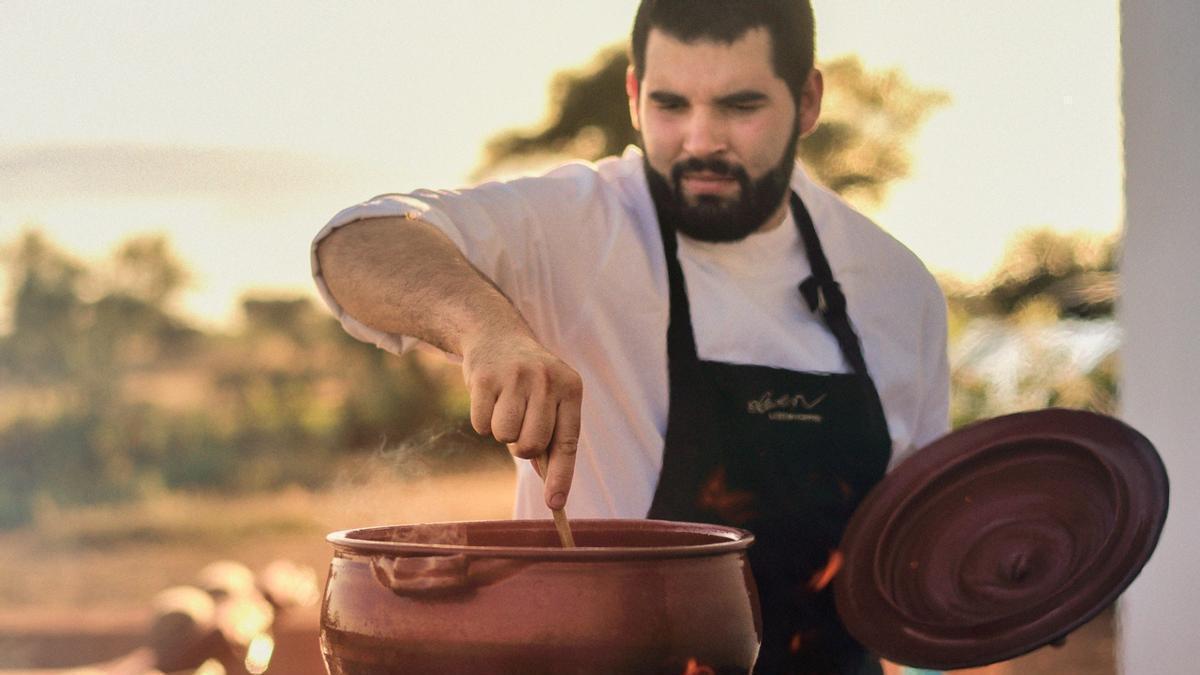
point(1075, 274)
point(1039, 331)
point(868, 120)
point(107, 394)
point(588, 118)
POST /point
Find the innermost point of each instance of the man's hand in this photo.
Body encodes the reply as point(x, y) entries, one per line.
point(406, 277)
point(524, 396)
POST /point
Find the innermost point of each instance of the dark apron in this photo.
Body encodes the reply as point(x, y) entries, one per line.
point(787, 455)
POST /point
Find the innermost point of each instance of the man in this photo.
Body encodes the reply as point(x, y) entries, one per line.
point(693, 331)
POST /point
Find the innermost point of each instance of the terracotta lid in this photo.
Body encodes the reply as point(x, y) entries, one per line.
point(1001, 537)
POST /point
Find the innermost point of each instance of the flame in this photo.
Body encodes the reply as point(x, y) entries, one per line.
point(694, 667)
point(822, 577)
point(796, 643)
point(845, 489)
point(734, 506)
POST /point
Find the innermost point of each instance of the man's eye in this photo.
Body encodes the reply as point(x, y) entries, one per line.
point(745, 107)
point(665, 105)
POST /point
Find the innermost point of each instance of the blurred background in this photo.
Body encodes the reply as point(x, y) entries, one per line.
point(171, 390)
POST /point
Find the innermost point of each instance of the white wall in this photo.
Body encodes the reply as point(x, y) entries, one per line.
point(1160, 314)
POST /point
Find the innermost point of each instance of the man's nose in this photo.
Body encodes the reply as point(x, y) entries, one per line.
point(705, 135)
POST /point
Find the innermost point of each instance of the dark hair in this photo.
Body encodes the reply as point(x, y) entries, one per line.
point(789, 22)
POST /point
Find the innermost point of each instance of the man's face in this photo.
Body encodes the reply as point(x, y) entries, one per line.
point(719, 131)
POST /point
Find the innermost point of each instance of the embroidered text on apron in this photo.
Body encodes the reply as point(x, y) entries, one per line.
point(785, 454)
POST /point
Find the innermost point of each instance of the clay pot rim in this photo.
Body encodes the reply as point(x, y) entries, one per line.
point(727, 540)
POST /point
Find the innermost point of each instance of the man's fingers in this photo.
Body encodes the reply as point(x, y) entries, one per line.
point(508, 415)
point(483, 401)
point(562, 451)
point(537, 428)
point(529, 400)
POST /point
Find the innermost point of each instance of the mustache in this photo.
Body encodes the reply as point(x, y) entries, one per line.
point(714, 166)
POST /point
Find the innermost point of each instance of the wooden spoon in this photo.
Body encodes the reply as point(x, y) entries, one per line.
point(560, 515)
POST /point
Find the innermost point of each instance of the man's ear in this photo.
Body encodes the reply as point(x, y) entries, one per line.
point(810, 102)
point(631, 90)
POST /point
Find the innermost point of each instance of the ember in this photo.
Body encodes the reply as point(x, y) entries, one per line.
point(694, 667)
point(804, 639)
point(825, 575)
point(734, 506)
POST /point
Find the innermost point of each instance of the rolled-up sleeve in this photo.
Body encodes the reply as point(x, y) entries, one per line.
point(383, 206)
point(522, 235)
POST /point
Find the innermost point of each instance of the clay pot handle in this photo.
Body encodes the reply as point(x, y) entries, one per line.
point(422, 575)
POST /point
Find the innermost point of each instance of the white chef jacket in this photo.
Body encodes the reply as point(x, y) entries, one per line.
point(578, 252)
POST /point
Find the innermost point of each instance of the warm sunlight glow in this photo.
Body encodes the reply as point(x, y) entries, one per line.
point(210, 667)
point(258, 654)
point(238, 139)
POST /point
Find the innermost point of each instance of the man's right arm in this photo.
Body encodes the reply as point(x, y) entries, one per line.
point(404, 276)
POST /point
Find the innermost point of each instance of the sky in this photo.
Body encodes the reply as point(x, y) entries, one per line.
point(237, 129)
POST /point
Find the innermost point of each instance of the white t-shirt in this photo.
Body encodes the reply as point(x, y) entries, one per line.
point(579, 253)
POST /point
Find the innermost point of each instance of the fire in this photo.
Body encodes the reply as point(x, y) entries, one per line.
point(822, 577)
point(694, 667)
point(734, 506)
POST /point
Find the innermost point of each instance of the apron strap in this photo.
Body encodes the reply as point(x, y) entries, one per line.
point(681, 341)
point(824, 295)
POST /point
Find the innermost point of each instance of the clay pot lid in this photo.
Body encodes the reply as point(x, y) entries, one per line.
point(1000, 537)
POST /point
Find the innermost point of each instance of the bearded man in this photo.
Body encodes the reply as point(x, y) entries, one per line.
point(692, 331)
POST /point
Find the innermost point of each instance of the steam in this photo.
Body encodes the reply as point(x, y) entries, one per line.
point(436, 476)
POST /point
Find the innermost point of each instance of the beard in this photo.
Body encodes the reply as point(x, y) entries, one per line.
point(717, 219)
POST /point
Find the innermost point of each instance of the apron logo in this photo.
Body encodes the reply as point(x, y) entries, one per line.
point(786, 408)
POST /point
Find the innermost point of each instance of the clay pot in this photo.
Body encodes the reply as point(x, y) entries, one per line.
point(636, 596)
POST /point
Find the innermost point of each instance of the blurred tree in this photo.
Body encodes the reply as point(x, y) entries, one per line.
point(296, 352)
point(1076, 273)
point(137, 312)
point(868, 120)
point(1039, 330)
point(131, 320)
point(292, 317)
point(390, 400)
point(860, 147)
point(147, 269)
point(111, 394)
point(588, 118)
point(75, 323)
point(46, 310)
